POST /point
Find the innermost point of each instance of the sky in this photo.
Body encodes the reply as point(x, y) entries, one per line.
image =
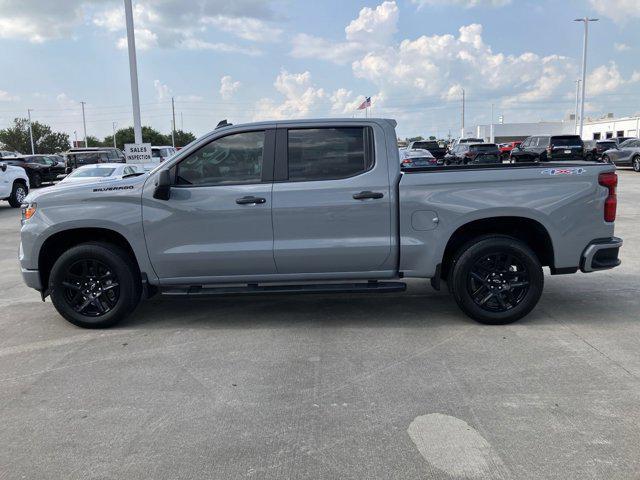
point(248, 60)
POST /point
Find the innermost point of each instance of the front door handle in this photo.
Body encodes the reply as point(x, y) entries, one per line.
point(367, 194)
point(250, 200)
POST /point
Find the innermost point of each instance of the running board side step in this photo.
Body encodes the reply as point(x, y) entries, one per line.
point(255, 289)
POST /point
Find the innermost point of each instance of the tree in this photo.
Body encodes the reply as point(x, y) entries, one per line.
point(183, 138)
point(432, 137)
point(16, 137)
point(149, 135)
point(93, 141)
point(415, 139)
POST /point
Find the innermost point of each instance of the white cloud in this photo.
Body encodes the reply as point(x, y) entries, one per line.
point(228, 87)
point(621, 47)
point(7, 97)
point(372, 28)
point(251, 29)
point(620, 11)
point(462, 3)
point(607, 78)
point(163, 92)
point(301, 97)
point(166, 23)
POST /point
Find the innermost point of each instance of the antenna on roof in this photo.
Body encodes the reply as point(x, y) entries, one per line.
point(223, 123)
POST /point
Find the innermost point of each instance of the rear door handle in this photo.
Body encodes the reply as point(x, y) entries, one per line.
point(367, 194)
point(250, 200)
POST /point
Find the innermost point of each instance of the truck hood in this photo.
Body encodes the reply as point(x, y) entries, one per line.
point(76, 190)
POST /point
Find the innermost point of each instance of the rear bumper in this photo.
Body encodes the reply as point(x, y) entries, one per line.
point(601, 255)
point(32, 278)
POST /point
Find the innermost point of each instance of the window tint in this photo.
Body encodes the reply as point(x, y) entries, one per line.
point(568, 141)
point(527, 142)
point(425, 145)
point(329, 153)
point(112, 154)
point(232, 159)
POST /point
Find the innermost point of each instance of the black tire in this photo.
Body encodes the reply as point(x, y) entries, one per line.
point(635, 162)
point(36, 180)
point(495, 291)
point(18, 192)
point(115, 286)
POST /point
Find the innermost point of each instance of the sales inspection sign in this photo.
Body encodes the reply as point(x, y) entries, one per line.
point(137, 152)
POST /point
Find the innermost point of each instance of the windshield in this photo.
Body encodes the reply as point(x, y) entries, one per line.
point(92, 172)
point(572, 141)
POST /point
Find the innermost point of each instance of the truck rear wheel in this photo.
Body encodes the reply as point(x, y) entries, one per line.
point(496, 279)
point(93, 285)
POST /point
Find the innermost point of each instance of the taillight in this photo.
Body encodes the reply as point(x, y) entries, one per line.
point(404, 162)
point(609, 180)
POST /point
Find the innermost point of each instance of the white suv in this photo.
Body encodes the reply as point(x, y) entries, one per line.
point(14, 184)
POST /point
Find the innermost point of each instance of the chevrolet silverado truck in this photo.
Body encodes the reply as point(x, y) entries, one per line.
point(316, 206)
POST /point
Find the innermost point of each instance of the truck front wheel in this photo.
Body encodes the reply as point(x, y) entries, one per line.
point(496, 279)
point(93, 285)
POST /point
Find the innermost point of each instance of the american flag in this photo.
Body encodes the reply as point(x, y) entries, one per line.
point(365, 104)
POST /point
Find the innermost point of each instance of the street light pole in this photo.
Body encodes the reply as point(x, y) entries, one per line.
point(173, 124)
point(133, 71)
point(462, 130)
point(84, 125)
point(586, 21)
point(575, 115)
point(33, 150)
point(113, 124)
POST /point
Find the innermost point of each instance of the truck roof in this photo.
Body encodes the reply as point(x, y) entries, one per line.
point(308, 121)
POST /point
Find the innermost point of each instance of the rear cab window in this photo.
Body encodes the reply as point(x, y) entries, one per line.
point(328, 153)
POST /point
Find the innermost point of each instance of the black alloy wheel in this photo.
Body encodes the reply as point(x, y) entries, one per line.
point(91, 288)
point(498, 282)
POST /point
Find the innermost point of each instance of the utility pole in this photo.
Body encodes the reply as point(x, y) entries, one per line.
point(75, 135)
point(84, 125)
point(575, 115)
point(173, 124)
point(586, 21)
point(133, 71)
point(33, 150)
point(113, 124)
point(491, 134)
point(462, 130)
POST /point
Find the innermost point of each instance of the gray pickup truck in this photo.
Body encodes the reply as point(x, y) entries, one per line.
point(316, 206)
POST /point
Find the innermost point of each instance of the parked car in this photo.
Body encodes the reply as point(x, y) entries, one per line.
point(546, 148)
point(14, 184)
point(113, 154)
point(416, 158)
point(465, 153)
point(40, 168)
point(593, 149)
point(459, 141)
point(330, 213)
point(102, 172)
point(624, 155)
point(7, 153)
point(161, 154)
point(620, 140)
point(505, 149)
point(75, 159)
point(431, 145)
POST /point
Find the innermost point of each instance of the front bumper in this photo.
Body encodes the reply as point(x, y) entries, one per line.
point(601, 255)
point(32, 278)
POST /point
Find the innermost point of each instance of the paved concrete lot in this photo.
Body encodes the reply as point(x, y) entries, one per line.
point(398, 386)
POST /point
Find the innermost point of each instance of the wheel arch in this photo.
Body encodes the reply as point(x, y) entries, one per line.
point(63, 240)
point(525, 229)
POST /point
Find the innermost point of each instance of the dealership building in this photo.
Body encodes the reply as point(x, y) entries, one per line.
point(600, 129)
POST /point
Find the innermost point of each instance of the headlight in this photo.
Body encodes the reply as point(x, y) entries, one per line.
point(28, 211)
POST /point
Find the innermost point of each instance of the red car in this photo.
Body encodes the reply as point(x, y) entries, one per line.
point(505, 149)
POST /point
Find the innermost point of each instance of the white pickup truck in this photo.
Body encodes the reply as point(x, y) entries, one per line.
point(14, 184)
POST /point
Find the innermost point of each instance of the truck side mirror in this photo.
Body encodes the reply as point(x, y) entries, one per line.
point(163, 186)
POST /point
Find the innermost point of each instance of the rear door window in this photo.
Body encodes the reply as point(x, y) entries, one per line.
point(329, 153)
